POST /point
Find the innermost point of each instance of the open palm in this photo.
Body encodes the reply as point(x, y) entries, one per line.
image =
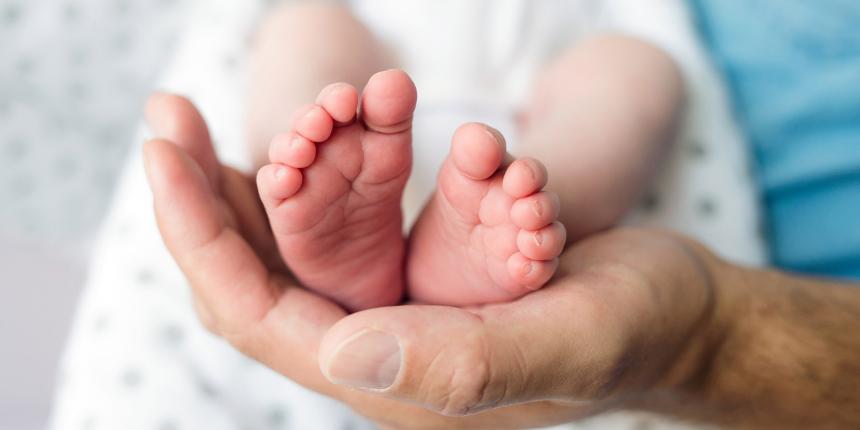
point(555, 355)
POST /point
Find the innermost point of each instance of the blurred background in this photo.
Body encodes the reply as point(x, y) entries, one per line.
point(73, 78)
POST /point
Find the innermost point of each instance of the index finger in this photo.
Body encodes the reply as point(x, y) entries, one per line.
point(262, 314)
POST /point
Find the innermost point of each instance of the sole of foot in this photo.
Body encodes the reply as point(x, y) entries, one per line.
point(334, 186)
point(489, 234)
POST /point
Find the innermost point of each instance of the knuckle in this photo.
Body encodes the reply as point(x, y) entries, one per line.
point(210, 325)
point(466, 390)
point(462, 387)
point(207, 320)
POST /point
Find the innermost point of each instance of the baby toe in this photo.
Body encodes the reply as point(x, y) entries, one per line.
point(313, 122)
point(477, 150)
point(340, 100)
point(388, 102)
point(292, 149)
point(524, 176)
point(543, 244)
point(531, 274)
point(277, 182)
point(535, 211)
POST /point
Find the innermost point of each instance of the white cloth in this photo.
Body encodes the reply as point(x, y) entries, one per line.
point(138, 359)
point(63, 128)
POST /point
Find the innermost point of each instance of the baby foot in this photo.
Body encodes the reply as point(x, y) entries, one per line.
point(333, 190)
point(489, 234)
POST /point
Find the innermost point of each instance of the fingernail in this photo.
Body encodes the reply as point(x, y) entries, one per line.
point(369, 359)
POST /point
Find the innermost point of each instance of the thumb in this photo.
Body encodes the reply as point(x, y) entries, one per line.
point(450, 360)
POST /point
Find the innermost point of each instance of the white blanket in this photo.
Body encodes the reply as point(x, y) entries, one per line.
point(138, 358)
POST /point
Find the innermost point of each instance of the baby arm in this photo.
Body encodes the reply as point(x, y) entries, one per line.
point(601, 117)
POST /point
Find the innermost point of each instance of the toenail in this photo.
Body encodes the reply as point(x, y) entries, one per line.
point(538, 238)
point(280, 173)
point(537, 208)
point(495, 135)
point(490, 133)
point(295, 142)
point(527, 268)
point(311, 113)
point(530, 169)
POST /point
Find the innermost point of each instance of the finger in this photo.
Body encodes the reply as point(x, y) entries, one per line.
point(454, 362)
point(225, 274)
point(205, 317)
point(240, 193)
point(263, 315)
point(175, 119)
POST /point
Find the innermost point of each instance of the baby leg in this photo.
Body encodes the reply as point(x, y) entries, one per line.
point(601, 118)
point(300, 48)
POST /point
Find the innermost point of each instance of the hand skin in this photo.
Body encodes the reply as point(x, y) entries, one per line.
point(634, 319)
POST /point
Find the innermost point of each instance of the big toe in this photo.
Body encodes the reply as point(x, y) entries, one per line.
point(477, 150)
point(388, 102)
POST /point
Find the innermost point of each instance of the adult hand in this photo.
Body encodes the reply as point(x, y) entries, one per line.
point(623, 317)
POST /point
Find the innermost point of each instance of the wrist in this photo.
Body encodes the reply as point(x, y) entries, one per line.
point(683, 390)
point(771, 352)
point(725, 282)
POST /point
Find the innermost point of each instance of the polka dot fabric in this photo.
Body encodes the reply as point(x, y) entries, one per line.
point(706, 188)
point(72, 83)
point(139, 359)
